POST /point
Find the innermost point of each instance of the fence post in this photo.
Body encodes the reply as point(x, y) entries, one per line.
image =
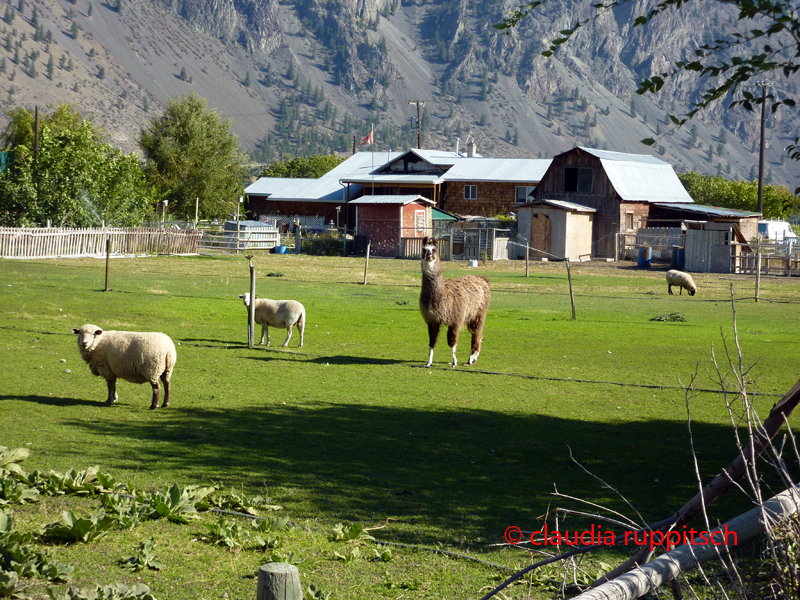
point(108, 256)
point(279, 581)
point(298, 240)
point(366, 264)
point(758, 268)
point(251, 310)
point(571, 295)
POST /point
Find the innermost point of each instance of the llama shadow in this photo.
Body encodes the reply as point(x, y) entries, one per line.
point(329, 360)
point(53, 400)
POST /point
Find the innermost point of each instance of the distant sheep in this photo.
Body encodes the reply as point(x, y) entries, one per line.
point(682, 280)
point(278, 313)
point(129, 355)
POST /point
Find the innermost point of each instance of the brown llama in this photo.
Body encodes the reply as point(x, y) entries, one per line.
point(452, 302)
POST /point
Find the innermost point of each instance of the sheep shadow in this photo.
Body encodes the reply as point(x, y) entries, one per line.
point(53, 400)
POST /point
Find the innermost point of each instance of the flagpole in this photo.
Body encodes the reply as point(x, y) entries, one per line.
point(372, 137)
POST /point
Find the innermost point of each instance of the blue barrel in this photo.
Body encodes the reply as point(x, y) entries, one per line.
point(681, 258)
point(645, 256)
point(280, 249)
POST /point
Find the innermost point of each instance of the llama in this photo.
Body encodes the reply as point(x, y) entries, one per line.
point(452, 302)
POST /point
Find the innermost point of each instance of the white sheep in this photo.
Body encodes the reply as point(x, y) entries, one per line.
point(682, 280)
point(278, 313)
point(129, 355)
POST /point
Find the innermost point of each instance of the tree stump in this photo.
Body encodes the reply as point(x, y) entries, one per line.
point(279, 581)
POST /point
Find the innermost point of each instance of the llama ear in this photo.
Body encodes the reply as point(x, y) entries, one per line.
point(425, 241)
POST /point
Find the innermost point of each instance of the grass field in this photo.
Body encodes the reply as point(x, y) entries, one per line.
point(350, 429)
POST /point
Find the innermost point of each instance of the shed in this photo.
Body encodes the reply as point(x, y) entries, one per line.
point(391, 223)
point(555, 228)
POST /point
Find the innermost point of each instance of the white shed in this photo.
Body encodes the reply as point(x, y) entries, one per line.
point(555, 229)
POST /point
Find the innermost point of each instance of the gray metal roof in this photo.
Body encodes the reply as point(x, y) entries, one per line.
point(624, 156)
point(717, 211)
point(402, 178)
point(397, 199)
point(521, 170)
point(560, 204)
point(640, 177)
point(325, 189)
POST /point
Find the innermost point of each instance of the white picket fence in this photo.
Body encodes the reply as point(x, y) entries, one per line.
point(52, 242)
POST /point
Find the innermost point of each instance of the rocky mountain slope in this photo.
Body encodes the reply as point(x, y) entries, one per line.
point(300, 76)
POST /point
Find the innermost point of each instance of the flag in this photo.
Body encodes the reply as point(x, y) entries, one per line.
point(367, 140)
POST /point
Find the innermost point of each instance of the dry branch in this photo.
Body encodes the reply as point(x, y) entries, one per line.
point(669, 566)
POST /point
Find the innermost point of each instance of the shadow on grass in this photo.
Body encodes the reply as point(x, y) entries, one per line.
point(53, 400)
point(444, 473)
point(332, 360)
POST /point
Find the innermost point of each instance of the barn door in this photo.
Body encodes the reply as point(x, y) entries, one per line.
point(540, 235)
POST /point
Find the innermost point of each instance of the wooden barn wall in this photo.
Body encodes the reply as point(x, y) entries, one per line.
point(640, 212)
point(603, 198)
point(493, 198)
point(381, 224)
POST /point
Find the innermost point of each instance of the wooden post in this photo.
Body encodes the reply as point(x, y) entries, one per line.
point(298, 241)
point(571, 295)
point(251, 310)
point(527, 259)
point(366, 264)
point(108, 256)
point(758, 269)
point(279, 581)
point(344, 239)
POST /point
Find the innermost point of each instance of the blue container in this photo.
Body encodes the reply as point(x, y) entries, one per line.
point(645, 256)
point(678, 258)
point(280, 249)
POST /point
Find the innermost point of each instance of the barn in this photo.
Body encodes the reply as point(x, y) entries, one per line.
point(389, 223)
point(620, 187)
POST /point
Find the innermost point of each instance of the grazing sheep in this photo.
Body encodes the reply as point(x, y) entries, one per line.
point(129, 355)
point(452, 302)
point(682, 280)
point(278, 313)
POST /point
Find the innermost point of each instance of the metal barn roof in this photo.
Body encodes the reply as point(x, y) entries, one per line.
point(640, 177)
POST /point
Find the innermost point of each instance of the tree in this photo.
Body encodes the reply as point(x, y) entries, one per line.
point(190, 153)
point(311, 167)
point(766, 41)
point(76, 178)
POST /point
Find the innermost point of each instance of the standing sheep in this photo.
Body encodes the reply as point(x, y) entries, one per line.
point(278, 313)
point(452, 302)
point(129, 355)
point(682, 280)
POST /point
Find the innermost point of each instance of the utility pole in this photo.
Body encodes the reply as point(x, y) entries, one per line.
point(419, 121)
point(763, 85)
point(36, 133)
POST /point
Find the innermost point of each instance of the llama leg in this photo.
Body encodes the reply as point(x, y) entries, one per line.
point(288, 336)
point(477, 337)
point(433, 333)
point(452, 341)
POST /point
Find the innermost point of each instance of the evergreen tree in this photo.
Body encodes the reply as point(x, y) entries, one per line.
point(101, 72)
point(50, 68)
point(73, 30)
point(633, 108)
point(89, 11)
point(246, 82)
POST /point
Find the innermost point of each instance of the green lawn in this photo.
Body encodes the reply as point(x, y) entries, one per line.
point(351, 429)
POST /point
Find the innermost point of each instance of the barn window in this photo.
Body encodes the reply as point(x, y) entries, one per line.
point(524, 193)
point(578, 179)
point(470, 192)
point(629, 221)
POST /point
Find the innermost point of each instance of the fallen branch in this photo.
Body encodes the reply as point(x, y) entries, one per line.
point(669, 566)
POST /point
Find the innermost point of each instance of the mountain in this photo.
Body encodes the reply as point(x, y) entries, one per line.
point(310, 76)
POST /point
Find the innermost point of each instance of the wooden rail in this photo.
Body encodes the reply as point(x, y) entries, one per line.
point(51, 242)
